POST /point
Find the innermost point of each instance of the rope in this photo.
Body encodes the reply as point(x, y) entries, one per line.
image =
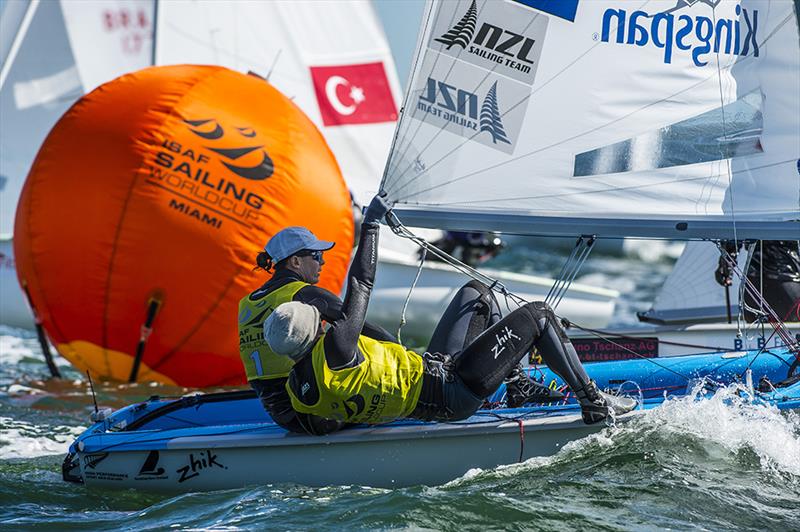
point(402, 231)
point(408, 297)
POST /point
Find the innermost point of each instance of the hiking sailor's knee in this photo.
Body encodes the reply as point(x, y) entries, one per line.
point(543, 316)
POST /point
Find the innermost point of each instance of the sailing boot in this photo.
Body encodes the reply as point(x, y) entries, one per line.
point(521, 389)
point(596, 406)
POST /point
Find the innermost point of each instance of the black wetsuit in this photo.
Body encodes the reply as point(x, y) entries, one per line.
point(775, 271)
point(272, 392)
point(471, 351)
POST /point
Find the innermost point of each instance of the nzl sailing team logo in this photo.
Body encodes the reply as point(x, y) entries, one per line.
point(698, 28)
point(461, 108)
point(504, 38)
point(462, 99)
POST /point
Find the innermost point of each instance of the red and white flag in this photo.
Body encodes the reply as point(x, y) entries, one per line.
point(353, 94)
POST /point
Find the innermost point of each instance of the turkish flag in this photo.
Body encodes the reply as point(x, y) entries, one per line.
point(353, 94)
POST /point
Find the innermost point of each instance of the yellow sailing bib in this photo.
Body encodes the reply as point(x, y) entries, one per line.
point(261, 362)
point(384, 387)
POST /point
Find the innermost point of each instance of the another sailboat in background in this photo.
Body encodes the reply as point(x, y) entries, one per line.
point(43, 48)
point(331, 57)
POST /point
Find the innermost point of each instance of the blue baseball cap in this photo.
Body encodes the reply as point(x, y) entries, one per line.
point(289, 241)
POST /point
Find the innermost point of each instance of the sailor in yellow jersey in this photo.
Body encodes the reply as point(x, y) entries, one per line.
point(342, 375)
point(296, 256)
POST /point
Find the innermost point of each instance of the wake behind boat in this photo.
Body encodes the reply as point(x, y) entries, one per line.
point(225, 440)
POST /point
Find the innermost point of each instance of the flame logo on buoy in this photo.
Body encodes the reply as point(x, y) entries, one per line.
point(262, 170)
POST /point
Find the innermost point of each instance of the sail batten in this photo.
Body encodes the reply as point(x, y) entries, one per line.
point(656, 113)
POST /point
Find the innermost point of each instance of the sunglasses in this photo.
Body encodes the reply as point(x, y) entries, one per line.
point(316, 255)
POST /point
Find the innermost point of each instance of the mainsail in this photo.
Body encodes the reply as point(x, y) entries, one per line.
point(660, 118)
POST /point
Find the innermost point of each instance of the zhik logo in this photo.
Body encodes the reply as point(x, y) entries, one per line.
point(260, 171)
point(461, 108)
point(505, 336)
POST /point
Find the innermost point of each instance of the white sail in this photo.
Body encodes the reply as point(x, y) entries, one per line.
point(662, 118)
point(109, 38)
point(330, 57)
point(39, 82)
point(691, 294)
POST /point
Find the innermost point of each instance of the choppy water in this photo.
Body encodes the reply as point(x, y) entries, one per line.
point(711, 465)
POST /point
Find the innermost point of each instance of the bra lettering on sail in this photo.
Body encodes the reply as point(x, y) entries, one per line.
point(700, 35)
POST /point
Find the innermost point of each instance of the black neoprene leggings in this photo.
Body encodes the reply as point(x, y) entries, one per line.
point(486, 348)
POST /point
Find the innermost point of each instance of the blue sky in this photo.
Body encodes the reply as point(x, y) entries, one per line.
point(401, 20)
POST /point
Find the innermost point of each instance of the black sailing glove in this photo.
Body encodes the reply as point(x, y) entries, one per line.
point(723, 274)
point(377, 210)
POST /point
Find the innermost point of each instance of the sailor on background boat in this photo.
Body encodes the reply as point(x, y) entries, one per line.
point(774, 270)
point(296, 256)
point(343, 375)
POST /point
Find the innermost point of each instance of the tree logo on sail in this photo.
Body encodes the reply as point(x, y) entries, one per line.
point(505, 38)
point(490, 117)
point(458, 109)
point(461, 33)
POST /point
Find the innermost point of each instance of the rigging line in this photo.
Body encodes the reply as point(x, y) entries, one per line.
point(412, 79)
point(494, 284)
point(729, 162)
point(555, 144)
point(420, 47)
point(602, 334)
point(561, 274)
point(568, 194)
point(587, 250)
point(410, 290)
point(442, 127)
point(743, 61)
point(583, 192)
point(565, 281)
point(631, 351)
point(771, 315)
point(542, 86)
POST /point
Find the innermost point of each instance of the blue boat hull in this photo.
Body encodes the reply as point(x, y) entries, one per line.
point(220, 441)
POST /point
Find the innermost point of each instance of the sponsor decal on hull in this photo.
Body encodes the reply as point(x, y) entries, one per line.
point(199, 463)
point(150, 469)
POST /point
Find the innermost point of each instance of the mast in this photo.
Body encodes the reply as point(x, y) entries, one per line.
point(154, 51)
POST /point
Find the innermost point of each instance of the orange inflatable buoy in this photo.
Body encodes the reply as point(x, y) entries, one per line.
point(139, 223)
